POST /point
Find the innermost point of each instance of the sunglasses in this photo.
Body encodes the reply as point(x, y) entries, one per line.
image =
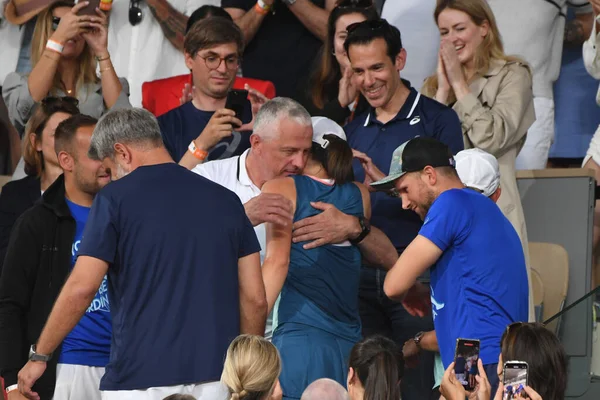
point(53, 100)
point(55, 22)
point(135, 12)
point(372, 25)
point(354, 3)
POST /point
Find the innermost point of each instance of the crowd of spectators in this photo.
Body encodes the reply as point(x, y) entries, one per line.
point(281, 199)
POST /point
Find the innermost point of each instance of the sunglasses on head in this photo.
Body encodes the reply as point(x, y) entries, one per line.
point(373, 25)
point(52, 100)
point(354, 3)
point(135, 12)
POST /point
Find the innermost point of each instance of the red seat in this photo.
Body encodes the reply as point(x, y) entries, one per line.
point(163, 95)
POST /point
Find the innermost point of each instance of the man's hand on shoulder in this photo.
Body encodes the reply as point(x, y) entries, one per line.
point(330, 226)
point(269, 207)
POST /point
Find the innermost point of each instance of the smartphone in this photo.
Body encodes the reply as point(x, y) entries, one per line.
point(90, 9)
point(465, 362)
point(237, 100)
point(514, 379)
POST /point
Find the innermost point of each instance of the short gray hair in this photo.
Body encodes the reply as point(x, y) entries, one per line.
point(134, 126)
point(325, 389)
point(274, 110)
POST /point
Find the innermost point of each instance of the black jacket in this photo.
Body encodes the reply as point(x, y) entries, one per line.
point(38, 260)
point(16, 197)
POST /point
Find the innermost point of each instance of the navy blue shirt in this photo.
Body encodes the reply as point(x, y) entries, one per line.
point(479, 284)
point(172, 239)
point(185, 123)
point(419, 116)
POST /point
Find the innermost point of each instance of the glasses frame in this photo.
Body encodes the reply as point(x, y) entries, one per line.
point(221, 60)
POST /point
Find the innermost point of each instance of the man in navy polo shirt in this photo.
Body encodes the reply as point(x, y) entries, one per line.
point(184, 276)
point(398, 113)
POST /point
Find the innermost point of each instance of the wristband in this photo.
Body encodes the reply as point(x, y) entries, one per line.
point(198, 153)
point(11, 388)
point(261, 7)
point(103, 58)
point(54, 46)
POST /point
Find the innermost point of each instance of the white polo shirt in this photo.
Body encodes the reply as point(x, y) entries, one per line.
point(142, 53)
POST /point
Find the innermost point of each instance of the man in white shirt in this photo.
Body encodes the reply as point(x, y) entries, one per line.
point(279, 146)
point(153, 47)
point(535, 30)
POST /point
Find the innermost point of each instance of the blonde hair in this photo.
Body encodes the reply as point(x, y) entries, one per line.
point(86, 71)
point(252, 367)
point(490, 48)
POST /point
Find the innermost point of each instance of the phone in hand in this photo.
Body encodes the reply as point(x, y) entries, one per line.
point(466, 357)
point(514, 378)
point(90, 9)
point(237, 100)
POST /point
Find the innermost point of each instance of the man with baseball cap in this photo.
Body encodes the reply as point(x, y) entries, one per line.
point(472, 249)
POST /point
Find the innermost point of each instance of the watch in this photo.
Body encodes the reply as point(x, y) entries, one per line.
point(33, 356)
point(418, 338)
point(289, 2)
point(366, 229)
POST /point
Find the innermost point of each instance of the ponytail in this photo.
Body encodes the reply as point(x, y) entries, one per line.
point(336, 158)
point(379, 366)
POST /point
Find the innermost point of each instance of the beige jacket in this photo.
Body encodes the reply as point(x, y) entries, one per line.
point(495, 118)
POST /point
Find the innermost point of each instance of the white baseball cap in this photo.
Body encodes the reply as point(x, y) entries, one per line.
point(324, 126)
point(479, 170)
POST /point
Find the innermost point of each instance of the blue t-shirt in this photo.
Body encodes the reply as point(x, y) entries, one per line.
point(479, 284)
point(172, 240)
point(89, 342)
point(419, 116)
point(183, 124)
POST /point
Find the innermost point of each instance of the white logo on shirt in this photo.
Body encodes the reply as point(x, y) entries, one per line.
point(415, 120)
point(437, 306)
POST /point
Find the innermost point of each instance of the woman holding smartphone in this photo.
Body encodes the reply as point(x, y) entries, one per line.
point(67, 49)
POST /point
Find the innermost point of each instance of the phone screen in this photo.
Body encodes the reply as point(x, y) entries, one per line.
point(237, 100)
point(465, 362)
point(90, 9)
point(514, 379)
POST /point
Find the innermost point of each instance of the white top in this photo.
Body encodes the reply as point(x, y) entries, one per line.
point(534, 31)
point(232, 174)
point(420, 36)
point(142, 53)
point(591, 55)
point(10, 46)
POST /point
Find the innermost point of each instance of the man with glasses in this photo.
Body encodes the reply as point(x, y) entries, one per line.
point(203, 129)
point(478, 274)
point(397, 113)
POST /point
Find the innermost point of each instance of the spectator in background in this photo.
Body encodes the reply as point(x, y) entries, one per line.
point(32, 276)
point(181, 250)
point(66, 49)
point(282, 39)
point(331, 92)
point(534, 30)
point(420, 36)
point(325, 389)
point(146, 39)
point(252, 369)
point(490, 91)
point(375, 369)
point(203, 129)
point(467, 243)
point(41, 164)
point(396, 114)
point(577, 115)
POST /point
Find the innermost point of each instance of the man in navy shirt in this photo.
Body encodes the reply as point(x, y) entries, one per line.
point(478, 276)
point(397, 113)
point(33, 275)
point(183, 269)
point(213, 50)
